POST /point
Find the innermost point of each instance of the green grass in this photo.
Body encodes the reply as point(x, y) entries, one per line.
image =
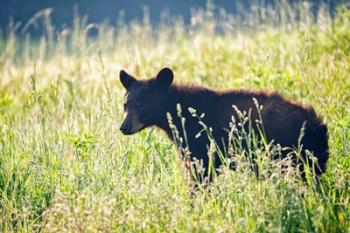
point(65, 167)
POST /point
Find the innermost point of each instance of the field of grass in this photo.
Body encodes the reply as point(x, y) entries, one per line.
point(65, 166)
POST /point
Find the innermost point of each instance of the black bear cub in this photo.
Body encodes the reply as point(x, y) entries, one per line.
point(147, 103)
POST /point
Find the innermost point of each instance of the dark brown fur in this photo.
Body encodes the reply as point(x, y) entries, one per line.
point(282, 119)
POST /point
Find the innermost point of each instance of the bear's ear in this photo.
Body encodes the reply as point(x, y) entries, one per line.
point(165, 77)
point(126, 79)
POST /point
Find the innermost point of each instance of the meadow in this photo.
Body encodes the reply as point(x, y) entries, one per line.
point(66, 167)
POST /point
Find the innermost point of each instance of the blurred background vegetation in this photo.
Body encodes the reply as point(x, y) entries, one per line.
point(63, 11)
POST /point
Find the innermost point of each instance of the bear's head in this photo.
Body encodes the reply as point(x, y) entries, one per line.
point(145, 100)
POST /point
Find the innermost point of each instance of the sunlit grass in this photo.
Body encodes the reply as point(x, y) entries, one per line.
point(65, 167)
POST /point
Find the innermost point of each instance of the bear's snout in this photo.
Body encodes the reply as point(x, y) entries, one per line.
point(125, 129)
point(131, 125)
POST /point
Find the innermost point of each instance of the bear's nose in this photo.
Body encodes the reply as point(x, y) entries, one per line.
point(124, 129)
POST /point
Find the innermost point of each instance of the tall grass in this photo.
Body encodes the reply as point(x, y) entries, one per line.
point(65, 167)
